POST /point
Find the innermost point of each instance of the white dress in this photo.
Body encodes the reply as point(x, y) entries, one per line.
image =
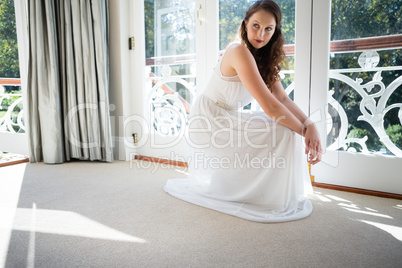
point(241, 162)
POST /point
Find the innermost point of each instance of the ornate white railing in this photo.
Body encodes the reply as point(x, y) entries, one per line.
point(11, 111)
point(374, 105)
point(373, 108)
point(169, 110)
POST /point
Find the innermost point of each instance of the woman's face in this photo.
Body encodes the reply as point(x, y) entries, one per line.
point(260, 28)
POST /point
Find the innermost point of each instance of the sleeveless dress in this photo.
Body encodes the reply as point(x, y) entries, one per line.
point(242, 162)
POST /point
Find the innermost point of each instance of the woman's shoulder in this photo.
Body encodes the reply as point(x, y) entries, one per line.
point(235, 56)
point(237, 48)
point(237, 52)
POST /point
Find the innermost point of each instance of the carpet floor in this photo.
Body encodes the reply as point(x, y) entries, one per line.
point(91, 214)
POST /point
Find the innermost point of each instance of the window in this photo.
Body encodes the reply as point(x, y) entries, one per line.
point(365, 70)
point(11, 114)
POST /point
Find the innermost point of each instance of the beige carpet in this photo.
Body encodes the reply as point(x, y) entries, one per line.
point(84, 214)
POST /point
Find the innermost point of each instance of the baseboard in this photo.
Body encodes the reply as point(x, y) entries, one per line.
point(357, 190)
point(160, 160)
point(19, 160)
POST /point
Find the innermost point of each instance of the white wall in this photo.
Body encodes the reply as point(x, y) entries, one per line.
point(115, 82)
point(126, 74)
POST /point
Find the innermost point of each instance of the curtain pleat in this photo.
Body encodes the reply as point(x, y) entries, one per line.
point(68, 81)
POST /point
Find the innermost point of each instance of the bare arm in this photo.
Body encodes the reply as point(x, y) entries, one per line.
point(280, 94)
point(238, 60)
point(242, 62)
point(313, 144)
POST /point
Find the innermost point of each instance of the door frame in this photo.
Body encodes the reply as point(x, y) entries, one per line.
point(207, 40)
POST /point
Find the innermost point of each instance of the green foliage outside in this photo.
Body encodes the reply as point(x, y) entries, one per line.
point(9, 64)
point(365, 18)
point(395, 134)
point(372, 143)
point(149, 28)
point(360, 19)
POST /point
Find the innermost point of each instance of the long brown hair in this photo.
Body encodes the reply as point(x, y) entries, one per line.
point(269, 57)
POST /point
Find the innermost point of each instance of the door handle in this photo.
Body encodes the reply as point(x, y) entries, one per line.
point(200, 15)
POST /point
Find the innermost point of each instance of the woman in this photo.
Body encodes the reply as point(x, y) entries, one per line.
point(250, 164)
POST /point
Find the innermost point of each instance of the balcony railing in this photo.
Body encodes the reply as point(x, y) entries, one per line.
point(170, 95)
point(11, 110)
point(167, 103)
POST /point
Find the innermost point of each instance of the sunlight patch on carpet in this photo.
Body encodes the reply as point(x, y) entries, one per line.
point(10, 188)
point(395, 231)
point(67, 223)
point(369, 213)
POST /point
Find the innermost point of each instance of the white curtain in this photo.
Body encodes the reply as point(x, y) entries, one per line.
point(68, 81)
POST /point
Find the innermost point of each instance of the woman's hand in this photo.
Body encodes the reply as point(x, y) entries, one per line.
point(313, 144)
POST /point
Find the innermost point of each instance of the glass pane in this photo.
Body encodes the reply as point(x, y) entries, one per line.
point(9, 64)
point(170, 64)
point(365, 18)
point(169, 27)
point(365, 100)
point(177, 34)
point(11, 115)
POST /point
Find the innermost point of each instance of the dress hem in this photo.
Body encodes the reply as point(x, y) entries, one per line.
point(179, 189)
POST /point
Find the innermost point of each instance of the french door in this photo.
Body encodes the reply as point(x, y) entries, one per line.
point(364, 95)
point(183, 41)
point(331, 76)
point(171, 35)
